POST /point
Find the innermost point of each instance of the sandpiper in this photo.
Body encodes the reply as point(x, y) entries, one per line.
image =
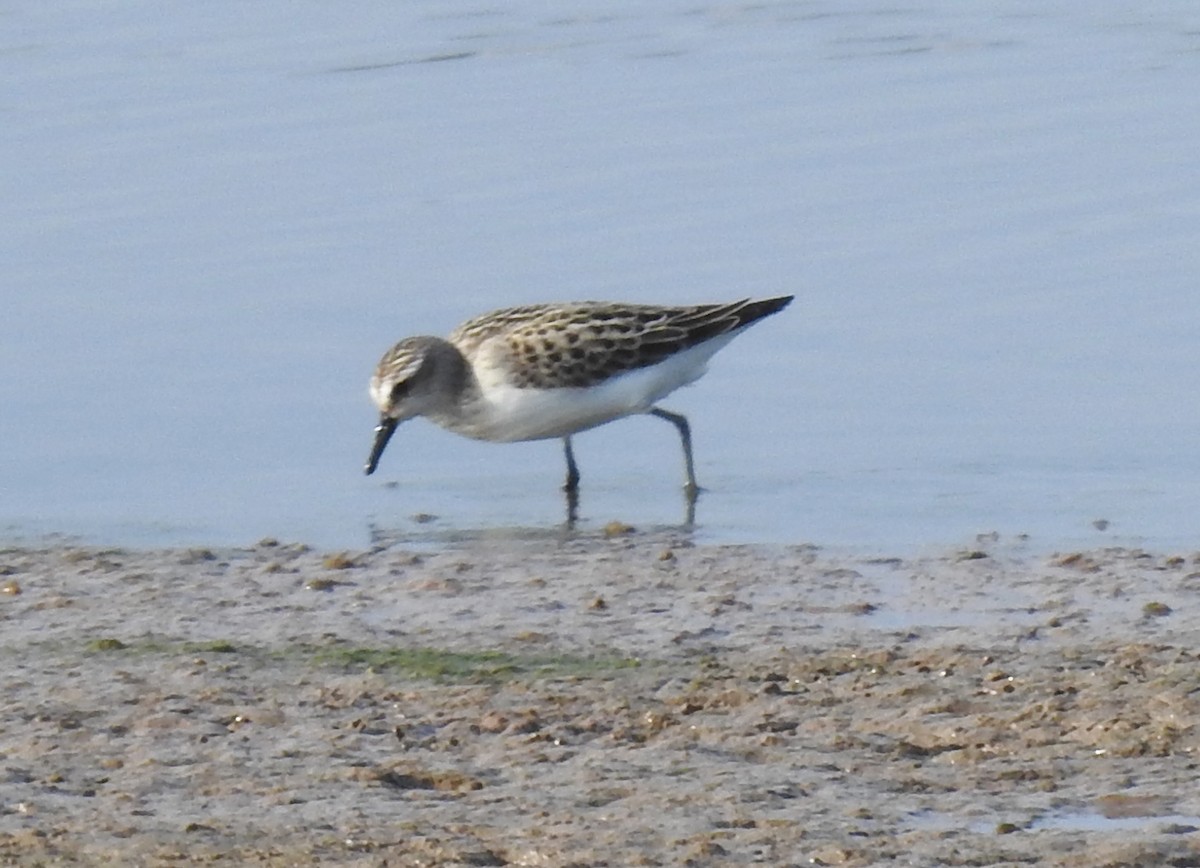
point(552, 370)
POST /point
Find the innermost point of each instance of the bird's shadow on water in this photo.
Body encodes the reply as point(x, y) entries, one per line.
point(431, 531)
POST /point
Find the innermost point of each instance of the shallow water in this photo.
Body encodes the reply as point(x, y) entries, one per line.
point(1081, 821)
point(215, 220)
point(1091, 821)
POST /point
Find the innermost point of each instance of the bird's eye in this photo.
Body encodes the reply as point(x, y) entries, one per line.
point(399, 391)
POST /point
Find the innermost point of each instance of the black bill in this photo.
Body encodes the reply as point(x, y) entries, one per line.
point(383, 433)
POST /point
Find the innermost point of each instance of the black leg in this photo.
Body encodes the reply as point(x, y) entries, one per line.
point(685, 435)
point(572, 483)
point(571, 486)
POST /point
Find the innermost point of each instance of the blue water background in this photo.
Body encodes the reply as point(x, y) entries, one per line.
point(215, 217)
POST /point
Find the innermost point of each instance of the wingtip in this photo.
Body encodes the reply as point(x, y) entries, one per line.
point(767, 306)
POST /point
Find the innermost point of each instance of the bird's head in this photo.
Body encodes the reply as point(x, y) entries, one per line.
point(405, 384)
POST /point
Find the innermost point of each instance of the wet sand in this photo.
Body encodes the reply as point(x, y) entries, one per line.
point(606, 700)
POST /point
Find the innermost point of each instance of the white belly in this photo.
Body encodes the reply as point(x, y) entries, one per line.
point(508, 414)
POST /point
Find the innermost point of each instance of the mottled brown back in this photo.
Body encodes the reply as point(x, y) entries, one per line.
point(585, 343)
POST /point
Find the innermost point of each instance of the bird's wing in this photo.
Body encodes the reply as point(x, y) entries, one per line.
point(584, 343)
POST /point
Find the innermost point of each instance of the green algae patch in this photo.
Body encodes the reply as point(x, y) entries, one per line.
point(107, 644)
point(419, 664)
point(442, 665)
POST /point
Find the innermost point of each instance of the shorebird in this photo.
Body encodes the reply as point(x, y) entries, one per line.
point(552, 370)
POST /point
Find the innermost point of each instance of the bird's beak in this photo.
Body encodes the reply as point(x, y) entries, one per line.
point(383, 433)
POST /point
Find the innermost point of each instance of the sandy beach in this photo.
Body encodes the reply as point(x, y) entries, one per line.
point(618, 698)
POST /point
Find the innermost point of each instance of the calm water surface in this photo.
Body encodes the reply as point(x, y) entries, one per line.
point(217, 217)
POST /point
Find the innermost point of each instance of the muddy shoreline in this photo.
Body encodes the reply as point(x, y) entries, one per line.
point(623, 699)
